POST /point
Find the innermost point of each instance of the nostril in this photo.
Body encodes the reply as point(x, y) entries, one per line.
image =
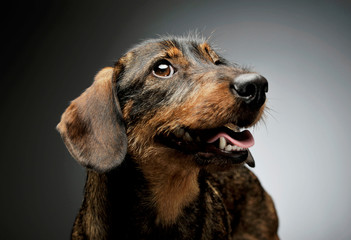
point(247, 91)
point(251, 88)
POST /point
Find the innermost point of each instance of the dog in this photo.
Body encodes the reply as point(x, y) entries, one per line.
point(161, 136)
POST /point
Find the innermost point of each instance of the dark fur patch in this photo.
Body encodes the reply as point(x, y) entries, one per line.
point(77, 128)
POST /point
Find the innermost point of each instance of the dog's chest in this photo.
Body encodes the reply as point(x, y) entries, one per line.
point(204, 219)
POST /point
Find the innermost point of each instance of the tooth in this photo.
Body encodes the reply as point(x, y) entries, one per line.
point(179, 132)
point(229, 148)
point(237, 148)
point(222, 142)
point(187, 137)
point(198, 139)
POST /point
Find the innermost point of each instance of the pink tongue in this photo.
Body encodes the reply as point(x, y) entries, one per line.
point(246, 139)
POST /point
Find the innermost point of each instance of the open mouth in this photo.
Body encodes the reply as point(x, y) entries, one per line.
point(227, 143)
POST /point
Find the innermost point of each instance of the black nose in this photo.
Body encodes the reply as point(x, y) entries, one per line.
point(250, 88)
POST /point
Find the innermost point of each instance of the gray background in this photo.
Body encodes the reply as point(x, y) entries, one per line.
point(53, 50)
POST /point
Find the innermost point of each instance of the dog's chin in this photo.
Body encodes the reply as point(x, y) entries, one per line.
point(220, 147)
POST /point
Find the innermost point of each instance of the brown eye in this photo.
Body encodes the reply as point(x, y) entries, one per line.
point(163, 69)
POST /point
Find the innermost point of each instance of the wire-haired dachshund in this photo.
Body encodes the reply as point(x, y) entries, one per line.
point(162, 137)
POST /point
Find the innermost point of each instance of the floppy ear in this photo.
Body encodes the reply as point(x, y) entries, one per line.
point(92, 126)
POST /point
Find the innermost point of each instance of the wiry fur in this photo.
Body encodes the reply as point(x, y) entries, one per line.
point(139, 188)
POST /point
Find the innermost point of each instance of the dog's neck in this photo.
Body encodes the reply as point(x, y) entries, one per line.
point(168, 189)
point(172, 187)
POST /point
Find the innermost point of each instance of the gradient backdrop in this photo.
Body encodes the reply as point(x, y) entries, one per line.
point(54, 49)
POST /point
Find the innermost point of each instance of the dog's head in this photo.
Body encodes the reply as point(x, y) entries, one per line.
point(173, 98)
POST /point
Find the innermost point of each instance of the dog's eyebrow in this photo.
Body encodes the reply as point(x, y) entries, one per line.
point(172, 48)
point(169, 43)
point(173, 52)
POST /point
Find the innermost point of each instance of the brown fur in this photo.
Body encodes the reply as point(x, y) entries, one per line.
point(174, 53)
point(208, 52)
point(139, 188)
